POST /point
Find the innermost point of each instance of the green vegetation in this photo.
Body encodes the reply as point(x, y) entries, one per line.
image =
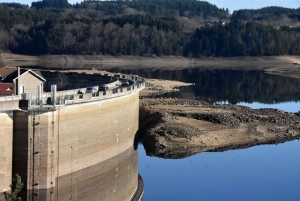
point(50, 4)
point(16, 188)
point(269, 14)
point(239, 39)
point(188, 28)
point(158, 7)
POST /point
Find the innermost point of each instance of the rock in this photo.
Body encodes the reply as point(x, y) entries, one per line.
point(165, 135)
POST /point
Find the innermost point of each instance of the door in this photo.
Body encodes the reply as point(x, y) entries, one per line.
point(22, 89)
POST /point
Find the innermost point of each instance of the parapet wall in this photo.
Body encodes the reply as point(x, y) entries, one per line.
point(9, 102)
point(79, 95)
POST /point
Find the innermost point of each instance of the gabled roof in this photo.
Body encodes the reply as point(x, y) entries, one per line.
point(4, 72)
point(33, 73)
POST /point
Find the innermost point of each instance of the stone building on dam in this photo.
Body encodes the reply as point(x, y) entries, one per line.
point(69, 144)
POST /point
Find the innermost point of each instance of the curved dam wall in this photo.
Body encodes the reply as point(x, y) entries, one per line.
point(79, 151)
point(6, 136)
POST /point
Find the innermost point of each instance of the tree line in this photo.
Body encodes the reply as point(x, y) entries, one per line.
point(250, 39)
point(267, 13)
point(152, 27)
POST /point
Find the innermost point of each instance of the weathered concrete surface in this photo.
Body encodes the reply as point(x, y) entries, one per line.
point(33, 158)
point(6, 134)
point(61, 145)
point(113, 179)
point(9, 103)
point(179, 128)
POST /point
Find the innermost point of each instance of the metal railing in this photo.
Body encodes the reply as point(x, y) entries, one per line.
point(78, 95)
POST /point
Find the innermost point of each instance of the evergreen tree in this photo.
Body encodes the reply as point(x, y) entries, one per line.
point(16, 188)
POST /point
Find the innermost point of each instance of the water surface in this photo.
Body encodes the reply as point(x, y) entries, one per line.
point(268, 172)
point(233, 86)
point(285, 106)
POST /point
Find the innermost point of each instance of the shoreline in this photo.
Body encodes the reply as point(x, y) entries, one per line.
point(176, 128)
point(281, 65)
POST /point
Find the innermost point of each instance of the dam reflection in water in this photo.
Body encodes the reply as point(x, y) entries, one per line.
point(109, 180)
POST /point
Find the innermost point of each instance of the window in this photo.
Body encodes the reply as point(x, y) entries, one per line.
point(115, 91)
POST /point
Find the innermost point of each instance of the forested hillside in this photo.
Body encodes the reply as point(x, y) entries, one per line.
point(145, 27)
point(270, 15)
point(239, 39)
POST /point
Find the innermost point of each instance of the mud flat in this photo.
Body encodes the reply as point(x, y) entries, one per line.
point(176, 128)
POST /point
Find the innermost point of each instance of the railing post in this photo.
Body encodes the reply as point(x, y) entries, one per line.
point(40, 100)
point(53, 94)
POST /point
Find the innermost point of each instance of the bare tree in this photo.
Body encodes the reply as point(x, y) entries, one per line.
point(61, 80)
point(2, 62)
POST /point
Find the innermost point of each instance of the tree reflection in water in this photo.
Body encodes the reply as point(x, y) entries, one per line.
point(233, 86)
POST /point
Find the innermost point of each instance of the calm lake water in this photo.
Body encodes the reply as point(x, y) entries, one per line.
point(267, 172)
point(227, 85)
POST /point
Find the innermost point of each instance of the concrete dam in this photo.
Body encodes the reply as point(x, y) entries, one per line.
point(72, 145)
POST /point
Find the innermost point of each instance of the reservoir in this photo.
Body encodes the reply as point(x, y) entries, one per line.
point(267, 172)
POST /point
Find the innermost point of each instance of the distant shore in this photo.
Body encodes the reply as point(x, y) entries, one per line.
point(282, 65)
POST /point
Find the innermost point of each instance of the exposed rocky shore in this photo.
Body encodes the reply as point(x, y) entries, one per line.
point(157, 87)
point(281, 65)
point(176, 128)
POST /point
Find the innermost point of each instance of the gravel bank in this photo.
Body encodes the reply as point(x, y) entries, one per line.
point(176, 128)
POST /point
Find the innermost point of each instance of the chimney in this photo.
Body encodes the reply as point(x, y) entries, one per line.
point(17, 92)
point(18, 71)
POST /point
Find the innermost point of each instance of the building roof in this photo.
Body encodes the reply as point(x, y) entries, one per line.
point(4, 72)
point(33, 73)
point(14, 75)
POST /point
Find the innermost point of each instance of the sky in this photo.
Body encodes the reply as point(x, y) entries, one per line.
point(254, 4)
point(230, 4)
